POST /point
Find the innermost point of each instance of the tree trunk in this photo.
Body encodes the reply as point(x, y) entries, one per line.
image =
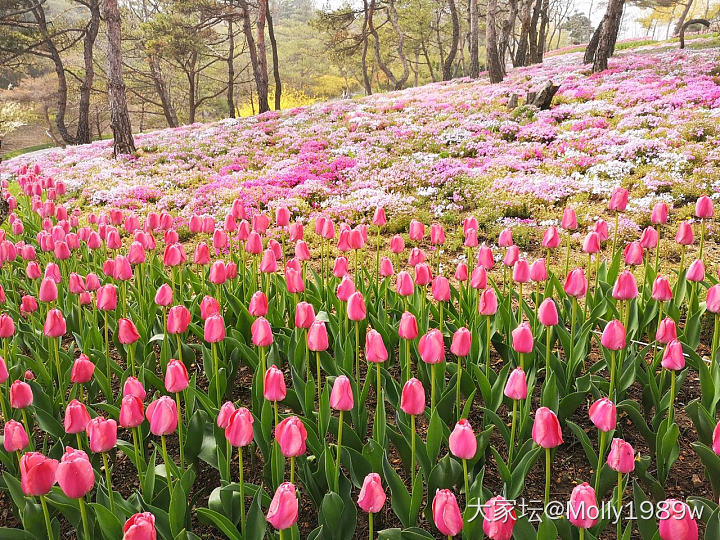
point(542, 33)
point(448, 65)
point(91, 31)
point(231, 70)
point(366, 78)
point(684, 15)
point(162, 91)
point(525, 19)
point(276, 61)
point(474, 41)
point(396, 83)
point(592, 45)
point(262, 55)
point(608, 35)
point(394, 21)
point(254, 60)
point(507, 30)
point(495, 69)
point(123, 142)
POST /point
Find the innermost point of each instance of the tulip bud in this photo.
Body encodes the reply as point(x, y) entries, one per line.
point(274, 384)
point(261, 332)
point(666, 331)
point(341, 396)
point(621, 457)
point(462, 440)
point(291, 436)
point(283, 511)
point(431, 347)
point(176, 377)
point(446, 513)
point(408, 328)
point(140, 527)
point(75, 473)
point(375, 350)
point(673, 357)
point(162, 415)
point(583, 510)
point(603, 414)
point(239, 430)
point(499, 519)
point(461, 341)
point(132, 412)
point(676, 521)
point(412, 400)
point(102, 434)
point(546, 430)
point(372, 495)
point(516, 386)
point(613, 336)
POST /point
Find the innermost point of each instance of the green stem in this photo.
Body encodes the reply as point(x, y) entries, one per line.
point(671, 414)
point(179, 347)
point(108, 481)
point(28, 430)
point(48, 526)
point(131, 358)
point(180, 431)
point(107, 348)
point(582, 534)
point(467, 484)
point(716, 336)
point(292, 469)
point(412, 451)
point(136, 447)
point(317, 367)
point(619, 505)
point(408, 365)
point(83, 514)
point(433, 375)
point(567, 254)
point(512, 431)
point(573, 315)
point(702, 238)
point(370, 525)
point(547, 476)
point(487, 346)
point(56, 346)
point(357, 351)
point(601, 452)
point(612, 375)
point(216, 369)
point(547, 351)
point(337, 459)
point(615, 235)
point(241, 473)
point(167, 463)
point(457, 387)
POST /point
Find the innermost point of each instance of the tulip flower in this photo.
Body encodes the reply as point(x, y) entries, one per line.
point(412, 402)
point(163, 417)
point(432, 351)
point(546, 433)
point(499, 519)
point(82, 371)
point(603, 415)
point(75, 476)
point(291, 436)
point(15, 438)
point(140, 527)
point(516, 389)
point(214, 332)
point(176, 381)
point(704, 210)
point(37, 477)
point(238, 433)
point(371, 498)
point(317, 341)
point(488, 306)
point(408, 330)
point(583, 511)
point(128, 335)
point(684, 237)
point(262, 337)
point(283, 511)
point(673, 360)
point(341, 399)
point(463, 444)
point(522, 341)
point(460, 347)
point(357, 312)
point(102, 435)
point(676, 521)
point(613, 339)
point(446, 513)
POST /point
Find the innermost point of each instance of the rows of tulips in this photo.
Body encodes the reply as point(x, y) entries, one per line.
point(264, 353)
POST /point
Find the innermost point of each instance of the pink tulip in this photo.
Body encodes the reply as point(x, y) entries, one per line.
point(461, 341)
point(176, 377)
point(140, 527)
point(423, 274)
point(372, 495)
point(547, 313)
point(258, 306)
point(397, 244)
point(505, 239)
point(226, 411)
point(379, 219)
point(274, 384)
point(375, 350)
point(162, 415)
point(37, 474)
point(488, 302)
point(499, 519)
point(685, 236)
point(291, 436)
point(538, 271)
point(576, 283)
point(462, 442)
point(76, 417)
point(551, 238)
point(15, 438)
point(261, 332)
point(304, 315)
point(522, 338)
point(132, 412)
point(696, 271)
point(613, 336)
point(7, 326)
point(356, 310)
point(478, 280)
point(441, 289)
point(283, 511)
point(583, 510)
point(21, 395)
point(437, 234)
point(404, 284)
point(127, 332)
point(48, 291)
point(659, 213)
point(618, 200)
point(209, 307)
point(673, 357)
point(178, 320)
point(134, 387)
point(446, 513)
point(412, 399)
point(214, 330)
point(239, 430)
point(82, 370)
point(591, 244)
point(633, 254)
point(661, 290)
point(649, 238)
point(417, 230)
point(666, 331)
point(676, 521)
point(569, 220)
point(546, 430)
point(341, 396)
point(461, 272)
point(704, 208)
point(516, 386)
point(603, 414)
point(386, 267)
point(511, 256)
point(485, 257)
point(621, 457)
point(408, 328)
point(317, 337)
point(54, 326)
point(75, 473)
point(102, 434)
point(431, 347)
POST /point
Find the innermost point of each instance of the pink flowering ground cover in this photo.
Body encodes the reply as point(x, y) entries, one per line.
point(648, 124)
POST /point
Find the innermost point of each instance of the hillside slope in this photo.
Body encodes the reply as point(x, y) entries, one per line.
point(650, 122)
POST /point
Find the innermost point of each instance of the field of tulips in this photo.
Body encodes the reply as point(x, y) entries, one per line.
point(417, 315)
point(268, 379)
